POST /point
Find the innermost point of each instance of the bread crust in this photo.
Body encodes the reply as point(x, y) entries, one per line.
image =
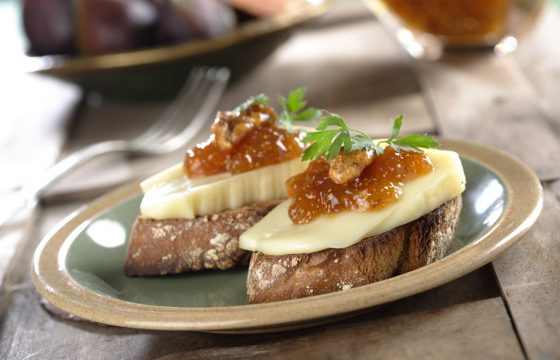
point(171, 246)
point(403, 249)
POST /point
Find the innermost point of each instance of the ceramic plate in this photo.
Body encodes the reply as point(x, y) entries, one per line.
point(79, 266)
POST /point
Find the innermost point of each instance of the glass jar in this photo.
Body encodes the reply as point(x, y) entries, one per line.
point(426, 28)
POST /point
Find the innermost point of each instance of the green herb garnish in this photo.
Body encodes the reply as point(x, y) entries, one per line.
point(333, 135)
point(293, 109)
point(260, 99)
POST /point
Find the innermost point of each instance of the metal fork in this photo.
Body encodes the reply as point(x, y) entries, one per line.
point(196, 101)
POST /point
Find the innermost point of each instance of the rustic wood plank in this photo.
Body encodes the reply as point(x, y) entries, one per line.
point(487, 99)
point(490, 100)
point(529, 277)
point(468, 331)
point(538, 56)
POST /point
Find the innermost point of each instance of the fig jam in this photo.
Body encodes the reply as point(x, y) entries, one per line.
point(378, 186)
point(263, 144)
point(266, 145)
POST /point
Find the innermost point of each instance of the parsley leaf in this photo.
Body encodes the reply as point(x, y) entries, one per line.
point(333, 135)
point(260, 99)
point(293, 109)
point(415, 142)
point(397, 124)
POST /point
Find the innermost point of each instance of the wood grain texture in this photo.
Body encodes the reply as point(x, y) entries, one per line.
point(487, 99)
point(538, 57)
point(491, 100)
point(529, 276)
point(484, 327)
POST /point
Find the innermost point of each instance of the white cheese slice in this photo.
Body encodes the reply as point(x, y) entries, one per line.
point(175, 173)
point(170, 194)
point(276, 234)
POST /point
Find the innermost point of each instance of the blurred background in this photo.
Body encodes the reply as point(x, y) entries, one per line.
point(143, 49)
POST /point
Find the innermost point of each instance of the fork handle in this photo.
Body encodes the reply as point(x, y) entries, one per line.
point(73, 161)
point(26, 197)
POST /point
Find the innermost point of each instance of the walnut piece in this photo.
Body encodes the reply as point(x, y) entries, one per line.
point(230, 128)
point(345, 167)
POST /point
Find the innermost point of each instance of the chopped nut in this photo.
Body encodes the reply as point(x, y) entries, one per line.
point(230, 128)
point(222, 129)
point(346, 167)
point(241, 129)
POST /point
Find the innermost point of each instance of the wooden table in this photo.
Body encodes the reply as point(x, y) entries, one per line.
point(508, 309)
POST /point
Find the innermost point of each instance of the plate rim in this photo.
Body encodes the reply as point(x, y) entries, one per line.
point(54, 283)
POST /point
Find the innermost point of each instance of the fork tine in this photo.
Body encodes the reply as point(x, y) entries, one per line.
point(187, 107)
point(173, 110)
point(196, 104)
point(211, 96)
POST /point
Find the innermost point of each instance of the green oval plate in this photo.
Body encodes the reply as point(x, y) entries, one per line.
point(79, 266)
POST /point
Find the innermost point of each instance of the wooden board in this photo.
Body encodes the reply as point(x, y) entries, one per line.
point(529, 276)
point(487, 99)
point(484, 328)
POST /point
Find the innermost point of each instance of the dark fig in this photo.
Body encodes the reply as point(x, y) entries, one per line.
point(184, 20)
point(49, 26)
point(108, 26)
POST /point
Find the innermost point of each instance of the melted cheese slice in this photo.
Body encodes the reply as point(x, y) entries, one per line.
point(169, 194)
point(276, 234)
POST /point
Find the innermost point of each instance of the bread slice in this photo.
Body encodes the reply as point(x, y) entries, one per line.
point(403, 249)
point(171, 246)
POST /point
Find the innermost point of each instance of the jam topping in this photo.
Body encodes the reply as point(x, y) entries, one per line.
point(240, 142)
point(461, 22)
point(377, 186)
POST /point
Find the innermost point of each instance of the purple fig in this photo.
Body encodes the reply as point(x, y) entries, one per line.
point(183, 20)
point(49, 26)
point(108, 26)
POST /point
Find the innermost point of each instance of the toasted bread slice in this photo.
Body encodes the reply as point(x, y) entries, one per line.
point(171, 246)
point(403, 249)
